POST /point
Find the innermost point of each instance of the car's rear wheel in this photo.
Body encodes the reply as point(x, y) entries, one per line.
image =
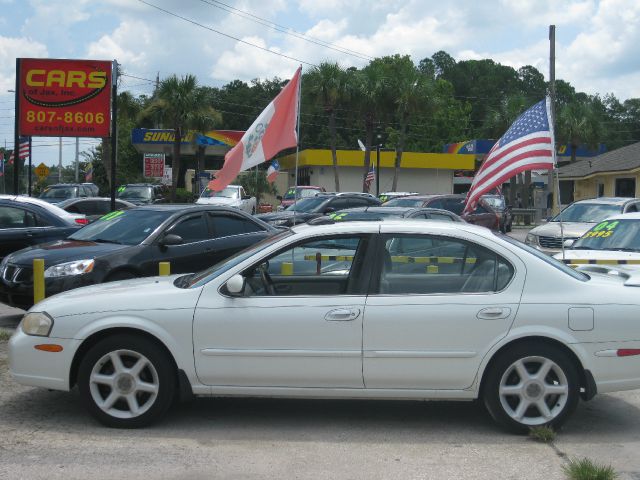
point(530, 386)
point(126, 381)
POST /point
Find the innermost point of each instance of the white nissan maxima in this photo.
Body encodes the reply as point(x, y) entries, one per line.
point(395, 310)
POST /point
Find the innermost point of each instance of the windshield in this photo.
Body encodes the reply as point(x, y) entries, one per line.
point(497, 203)
point(129, 227)
point(228, 192)
point(545, 258)
point(219, 268)
point(403, 202)
point(59, 192)
point(587, 212)
point(310, 204)
point(621, 235)
point(138, 193)
point(302, 193)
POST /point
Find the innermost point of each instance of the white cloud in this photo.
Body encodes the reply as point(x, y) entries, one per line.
point(12, 48)
point(537, 13)
point(128, 44)
point(244, 62)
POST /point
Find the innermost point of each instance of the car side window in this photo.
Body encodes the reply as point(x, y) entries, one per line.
point(424, 264)
point(229, 225)
point(318, 267)
point(11, 217)
point(192, 229)
point(440, 216)
point(437, 203)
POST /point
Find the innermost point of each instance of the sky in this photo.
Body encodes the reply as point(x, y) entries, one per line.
point(220, 41)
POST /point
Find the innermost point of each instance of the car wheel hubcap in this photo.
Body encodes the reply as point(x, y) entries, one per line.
point(124, 384)
point(533, 391)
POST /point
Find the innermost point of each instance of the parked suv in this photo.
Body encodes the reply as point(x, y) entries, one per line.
point(296, 193)
point(483, 215)
point(322, 204)
point(577, 219)
point(141, 193)
point(62, 191)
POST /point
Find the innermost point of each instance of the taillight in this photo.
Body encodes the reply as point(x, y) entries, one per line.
point(628, 352)
point(82, 221)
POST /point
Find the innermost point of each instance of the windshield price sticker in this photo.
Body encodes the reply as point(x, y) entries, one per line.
point(602, 230)
point(112, 215)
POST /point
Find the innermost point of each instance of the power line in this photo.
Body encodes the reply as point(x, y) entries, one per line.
point(225, 34)
point(283, 29)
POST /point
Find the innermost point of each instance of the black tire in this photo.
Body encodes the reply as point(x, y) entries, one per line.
point(563, 373)
point(159, 372)
point(121, 275)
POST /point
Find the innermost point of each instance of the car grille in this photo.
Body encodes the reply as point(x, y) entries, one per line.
point(553, 242)
point(17, 274)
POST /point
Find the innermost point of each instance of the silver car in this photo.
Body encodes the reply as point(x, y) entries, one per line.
point(577, 219)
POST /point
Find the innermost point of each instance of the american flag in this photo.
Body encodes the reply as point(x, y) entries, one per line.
point(371, 176)
point(527, 145)
point(24, 150)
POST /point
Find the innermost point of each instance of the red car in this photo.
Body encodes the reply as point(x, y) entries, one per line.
point(296, 193)
point(483, 215)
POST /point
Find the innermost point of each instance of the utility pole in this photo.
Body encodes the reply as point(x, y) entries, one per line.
point(114, 130)
point(16, 133)
point(59, 159)
point(552, 89)
point(77, 159)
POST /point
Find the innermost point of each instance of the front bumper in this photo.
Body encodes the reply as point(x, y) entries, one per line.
point(36, 368)
point(18, 292)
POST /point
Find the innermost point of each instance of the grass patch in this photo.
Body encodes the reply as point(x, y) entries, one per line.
point(4, 335)
point(585, 469)
point(543, 434)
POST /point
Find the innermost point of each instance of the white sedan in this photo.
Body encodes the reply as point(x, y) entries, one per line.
point(393, 310)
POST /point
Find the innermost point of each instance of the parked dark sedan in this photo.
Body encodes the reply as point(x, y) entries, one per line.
point(483, 215)
point(26, 221)
point(322, 204)
point(128, 244)
point(382, 213)
point(93, 208)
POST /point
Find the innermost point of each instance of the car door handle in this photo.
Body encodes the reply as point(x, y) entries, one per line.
point(494, 313)
point(342, 315)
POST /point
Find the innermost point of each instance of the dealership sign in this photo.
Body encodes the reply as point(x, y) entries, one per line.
point(154, 165)
point(64, 98)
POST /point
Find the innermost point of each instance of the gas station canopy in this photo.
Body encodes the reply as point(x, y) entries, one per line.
point(216, 142)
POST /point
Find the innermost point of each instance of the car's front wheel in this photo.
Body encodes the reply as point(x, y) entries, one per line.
point(529, 386)
point(126, 381)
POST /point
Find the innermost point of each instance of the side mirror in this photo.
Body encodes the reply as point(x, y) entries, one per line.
point(279, 197)
point(548, 219)
point(329, 210)
point(171, 239)
point(568, 243)
point(246, 197)
point(235, 285)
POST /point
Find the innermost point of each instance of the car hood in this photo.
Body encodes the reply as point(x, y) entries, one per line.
point(61, 251)
point(139, 294)
point(571, 229)
point(604, 255)
point(218, 201)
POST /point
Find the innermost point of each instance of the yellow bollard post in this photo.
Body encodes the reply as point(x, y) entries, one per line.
point(38, 280)
point(164, 269)
point(286, 268)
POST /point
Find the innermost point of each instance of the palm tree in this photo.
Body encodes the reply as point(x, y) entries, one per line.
point(180, 104)
point(368, 89)
point(327, 86)
point(577, 123)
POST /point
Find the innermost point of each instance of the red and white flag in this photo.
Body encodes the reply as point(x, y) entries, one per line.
point(273, 131)
point(528, 145)
point(23, 149)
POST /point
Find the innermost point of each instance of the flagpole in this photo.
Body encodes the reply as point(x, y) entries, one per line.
point(295, 185)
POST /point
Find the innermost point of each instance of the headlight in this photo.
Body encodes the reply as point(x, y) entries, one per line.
point(37, 323)
point(77, 267)
point(531, 239)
